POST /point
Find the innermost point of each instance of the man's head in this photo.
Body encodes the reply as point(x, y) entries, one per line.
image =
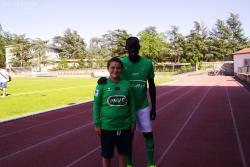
point(133, 47)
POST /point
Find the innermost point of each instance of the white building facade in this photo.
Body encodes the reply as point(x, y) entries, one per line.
point(242, 61)
point(51, 53)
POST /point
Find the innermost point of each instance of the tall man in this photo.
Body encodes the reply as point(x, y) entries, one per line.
point(138, 71)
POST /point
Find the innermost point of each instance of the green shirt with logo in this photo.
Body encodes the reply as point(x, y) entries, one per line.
point(137, 74)
point(114, 107)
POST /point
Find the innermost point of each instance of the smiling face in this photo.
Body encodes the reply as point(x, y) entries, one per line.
point(114, 70)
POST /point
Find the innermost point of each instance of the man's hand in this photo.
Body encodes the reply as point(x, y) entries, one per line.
point(152, 114)
point(102, 81)
point(98, 131)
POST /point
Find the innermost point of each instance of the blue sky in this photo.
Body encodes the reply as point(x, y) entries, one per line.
point(92, 18)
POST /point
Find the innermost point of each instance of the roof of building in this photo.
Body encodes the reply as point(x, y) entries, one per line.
point(242, 51)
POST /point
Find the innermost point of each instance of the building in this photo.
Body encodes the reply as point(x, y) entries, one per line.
point(242, 61)
point(51, 54)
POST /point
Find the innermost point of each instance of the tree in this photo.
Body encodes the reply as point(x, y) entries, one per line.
point(98, 50)
point(21, 51)
point(72, 45)
point(176, 44)
point(237, 40)
point(220, 41)
point(38, 47)
point(196, 47)
point(6, 38)
point(115, 41)
point(152, 43)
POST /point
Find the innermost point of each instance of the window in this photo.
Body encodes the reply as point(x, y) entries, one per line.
point(246, 62)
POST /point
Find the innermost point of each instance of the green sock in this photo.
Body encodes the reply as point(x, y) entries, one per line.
point(150, 150)
point(129, 160)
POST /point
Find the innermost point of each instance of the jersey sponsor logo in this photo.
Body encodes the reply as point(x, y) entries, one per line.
point(96, 93)
point(138, 84)
point(108, 89)
point(117, 100)
point(135, 74)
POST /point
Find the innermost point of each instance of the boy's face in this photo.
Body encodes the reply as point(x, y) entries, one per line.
point(114, 70)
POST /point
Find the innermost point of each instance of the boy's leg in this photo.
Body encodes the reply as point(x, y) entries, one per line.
point(130, 161)
point(106, 162)
point(124, 147)
point(122, 160)
point(107, 146)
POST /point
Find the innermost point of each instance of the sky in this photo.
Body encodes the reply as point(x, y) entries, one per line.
point(92, 18)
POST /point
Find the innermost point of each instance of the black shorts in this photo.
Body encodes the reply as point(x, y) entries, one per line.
point(121, 139)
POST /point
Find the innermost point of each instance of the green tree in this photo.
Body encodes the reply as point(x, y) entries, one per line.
point(152, 43)
point(72, 45)
point(196, 47)
point(97, 50)
point(238, 39)
point(115, 40)
point(38, 48)
point(21, 51)
point(220, 41)
point(6, 38)
point(176, 44)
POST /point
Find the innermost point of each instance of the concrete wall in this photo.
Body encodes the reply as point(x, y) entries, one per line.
point(243, 77)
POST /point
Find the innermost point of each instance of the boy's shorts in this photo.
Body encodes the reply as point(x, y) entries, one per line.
point(143, 122)
point(122, 139)
point(3, 84)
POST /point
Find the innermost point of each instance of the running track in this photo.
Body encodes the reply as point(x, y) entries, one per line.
point(201, 122)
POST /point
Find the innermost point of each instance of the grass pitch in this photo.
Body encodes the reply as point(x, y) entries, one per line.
point(31, 95)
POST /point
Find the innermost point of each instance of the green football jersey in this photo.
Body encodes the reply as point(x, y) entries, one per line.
point(114, 107)
point(137, 74)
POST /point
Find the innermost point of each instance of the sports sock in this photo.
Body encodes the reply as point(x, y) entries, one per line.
point(150, 150)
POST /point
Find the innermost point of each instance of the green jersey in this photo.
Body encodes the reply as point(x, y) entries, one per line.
point(114, 107)
point(137, 74)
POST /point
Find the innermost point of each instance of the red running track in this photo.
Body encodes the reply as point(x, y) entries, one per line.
point(201, 122)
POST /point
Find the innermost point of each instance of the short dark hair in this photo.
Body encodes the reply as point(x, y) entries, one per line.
point(132, 41)
point(114, 59)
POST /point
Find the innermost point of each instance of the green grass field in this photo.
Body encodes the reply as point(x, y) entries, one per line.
point(31, 95)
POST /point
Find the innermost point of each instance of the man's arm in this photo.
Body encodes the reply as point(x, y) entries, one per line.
point(102, 81)
point(152, 94)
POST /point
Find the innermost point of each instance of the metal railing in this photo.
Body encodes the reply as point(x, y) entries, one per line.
point(245, 70)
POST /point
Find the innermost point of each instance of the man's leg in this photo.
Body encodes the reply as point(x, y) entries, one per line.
point(149, 141)
point(144, 125)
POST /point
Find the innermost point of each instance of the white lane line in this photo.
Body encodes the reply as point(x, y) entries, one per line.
point(35, 126)
point(41, 112)
point(242, 155)
point(173, 90)
point(83, 157)
point(182, 128)
point(173, 101)
point(45, 141)
point(51, 90)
